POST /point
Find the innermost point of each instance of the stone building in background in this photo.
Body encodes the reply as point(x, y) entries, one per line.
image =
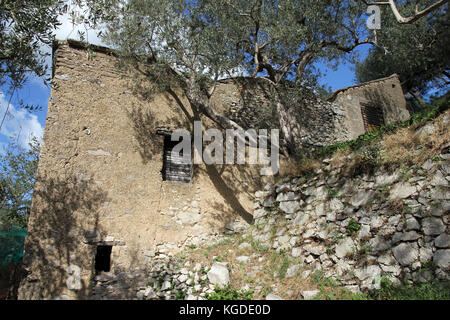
point(109, 191)
point(369, 105)
point(345, 115)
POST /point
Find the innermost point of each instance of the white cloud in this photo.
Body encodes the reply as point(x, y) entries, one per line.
point(19, 123)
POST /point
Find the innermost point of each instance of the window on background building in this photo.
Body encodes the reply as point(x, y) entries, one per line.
point(372, 115)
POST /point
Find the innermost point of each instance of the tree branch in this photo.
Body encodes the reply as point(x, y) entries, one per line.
point(411, 19)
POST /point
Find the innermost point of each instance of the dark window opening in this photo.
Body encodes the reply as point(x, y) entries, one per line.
point(103, 259)
point(372, 116)
point(174, 166)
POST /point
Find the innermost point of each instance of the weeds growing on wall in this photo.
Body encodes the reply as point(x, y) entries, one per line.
point(423, 291)
point(429, 112)
point(229, 293)
point(391, 146)
point(330, 289)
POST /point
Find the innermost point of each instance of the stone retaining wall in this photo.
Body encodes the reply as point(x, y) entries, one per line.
point(360, 229)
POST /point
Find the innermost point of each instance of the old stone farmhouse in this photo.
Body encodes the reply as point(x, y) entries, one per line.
point(107, 190)
point(370, 105)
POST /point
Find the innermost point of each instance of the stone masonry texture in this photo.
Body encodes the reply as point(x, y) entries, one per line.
point(99, 178)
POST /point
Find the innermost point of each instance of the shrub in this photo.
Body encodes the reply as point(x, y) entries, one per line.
point(353, 227)
point(228, 293)
point(424, 291)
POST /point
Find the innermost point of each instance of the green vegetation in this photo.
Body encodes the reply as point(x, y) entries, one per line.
point(331, 289)
point(180, 295)
point(332, 193)
point(229, 293)
point(257, 246)
point(429, 112)
point(353, 227)
point(364, 249)
point(279, 263)
point(420, 60)
point(11, 246)
point(17, 175)
point(25, 26)
point(219, 259)
point(160, 281)
point(425, 291)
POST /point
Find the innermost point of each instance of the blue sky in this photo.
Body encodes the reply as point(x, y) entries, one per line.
point(19, 123)
point(23, 125)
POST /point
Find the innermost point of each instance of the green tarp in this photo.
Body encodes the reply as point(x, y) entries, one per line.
point(11, 246)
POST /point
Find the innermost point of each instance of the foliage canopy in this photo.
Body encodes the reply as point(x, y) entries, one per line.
point(17, 175)
point(417, 52)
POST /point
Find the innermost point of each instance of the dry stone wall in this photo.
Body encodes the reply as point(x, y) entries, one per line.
point(162, 278)
point(99, 182)
point(321, 122)
point(355, 229)
point(360, 229)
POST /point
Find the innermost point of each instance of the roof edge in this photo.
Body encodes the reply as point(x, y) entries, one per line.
point(335, 93)
point(79, 45)
point(84, 46)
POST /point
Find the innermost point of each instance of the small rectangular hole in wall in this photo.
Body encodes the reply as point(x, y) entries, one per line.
point(103, 259)
point(174, 168)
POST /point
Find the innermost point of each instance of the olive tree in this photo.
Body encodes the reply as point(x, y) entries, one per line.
point(25, 27)
point(18, 168)
point(193, 44)
point(417, 52)
point(414, 11)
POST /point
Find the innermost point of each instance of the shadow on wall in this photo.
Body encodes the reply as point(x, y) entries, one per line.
point(119, 283)
point(390, 104)
point(144, 124)
point(376, 96)
point(62, 211)
point(223, 186)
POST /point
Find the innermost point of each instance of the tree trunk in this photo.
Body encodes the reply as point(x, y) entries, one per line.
point(200, 101)
point(289, 127)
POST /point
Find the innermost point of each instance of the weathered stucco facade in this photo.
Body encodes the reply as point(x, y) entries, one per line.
point(100, 183)
point(385, 94)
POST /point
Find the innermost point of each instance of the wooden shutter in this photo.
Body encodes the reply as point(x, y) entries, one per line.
point(372, 115)
point(174, 166)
